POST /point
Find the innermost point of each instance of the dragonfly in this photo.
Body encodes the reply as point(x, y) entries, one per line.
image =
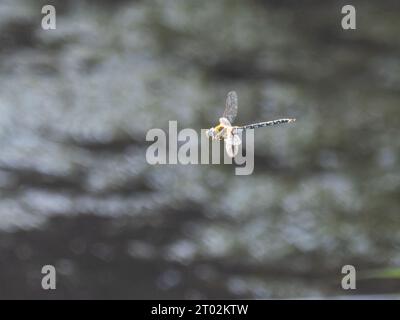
point(229, 133)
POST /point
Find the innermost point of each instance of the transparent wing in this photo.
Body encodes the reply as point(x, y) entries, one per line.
point(231, 149)
point(232, 143)
point(231, 107)
point(225, 122)
point(233, 139)
point(236, 140)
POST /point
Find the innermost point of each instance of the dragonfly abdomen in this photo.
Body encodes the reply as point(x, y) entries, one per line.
point(266, 124)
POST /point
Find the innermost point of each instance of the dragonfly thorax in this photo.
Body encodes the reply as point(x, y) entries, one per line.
point(216, 132)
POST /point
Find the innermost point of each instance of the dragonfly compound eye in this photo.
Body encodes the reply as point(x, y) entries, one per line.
point(210, 132)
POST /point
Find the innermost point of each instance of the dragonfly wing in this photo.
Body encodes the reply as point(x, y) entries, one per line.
point(231, 107)
point(229, 140)
point(236, 140)
point(225, 122)
point(232, 145)
point(231, 149)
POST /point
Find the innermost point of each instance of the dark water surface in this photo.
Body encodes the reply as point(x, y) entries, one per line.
point(76, 190)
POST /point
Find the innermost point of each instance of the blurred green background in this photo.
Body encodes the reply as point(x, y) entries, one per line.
point(76, 190)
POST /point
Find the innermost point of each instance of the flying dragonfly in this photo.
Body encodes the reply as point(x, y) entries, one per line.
point(230, 134)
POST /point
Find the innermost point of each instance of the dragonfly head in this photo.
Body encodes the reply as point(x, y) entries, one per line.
point(211, 133)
